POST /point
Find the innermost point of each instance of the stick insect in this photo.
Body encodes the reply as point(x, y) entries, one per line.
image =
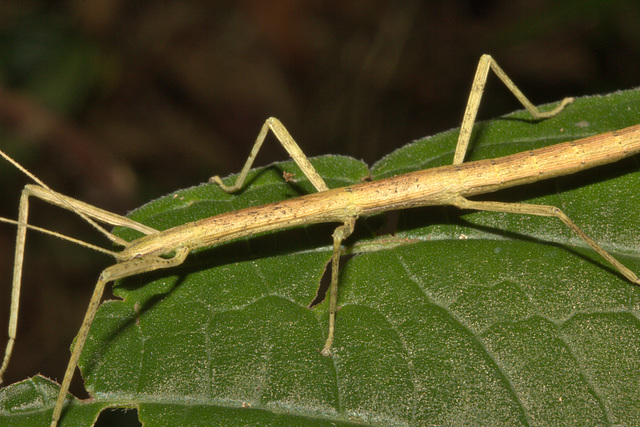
point(447, 185)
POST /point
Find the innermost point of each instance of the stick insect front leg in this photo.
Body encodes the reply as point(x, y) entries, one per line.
point(89, 213)
point(123, 269)
point(48, 195)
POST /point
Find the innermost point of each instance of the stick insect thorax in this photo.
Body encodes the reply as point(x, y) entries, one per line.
point(446, 185)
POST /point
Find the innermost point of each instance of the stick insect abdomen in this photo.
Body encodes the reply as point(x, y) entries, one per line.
point(485, 176)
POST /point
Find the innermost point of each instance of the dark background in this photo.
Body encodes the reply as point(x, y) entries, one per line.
point(117, 102)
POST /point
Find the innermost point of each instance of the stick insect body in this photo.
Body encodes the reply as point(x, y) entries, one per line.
point(446, 185)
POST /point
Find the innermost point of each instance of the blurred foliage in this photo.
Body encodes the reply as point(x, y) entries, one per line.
point(45, 58)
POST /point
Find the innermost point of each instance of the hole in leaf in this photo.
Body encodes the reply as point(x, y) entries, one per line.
point(325, 281)
point(120, 417)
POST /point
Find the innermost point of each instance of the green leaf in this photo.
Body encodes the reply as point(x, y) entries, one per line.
point(458, 318)
point(25, 404)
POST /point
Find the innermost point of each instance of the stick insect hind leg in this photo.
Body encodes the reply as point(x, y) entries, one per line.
point(485, 64)
point(548, 211)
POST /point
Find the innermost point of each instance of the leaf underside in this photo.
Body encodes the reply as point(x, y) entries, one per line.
point(457, 318)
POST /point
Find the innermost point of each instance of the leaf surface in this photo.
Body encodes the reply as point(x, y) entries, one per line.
point(457, 318)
